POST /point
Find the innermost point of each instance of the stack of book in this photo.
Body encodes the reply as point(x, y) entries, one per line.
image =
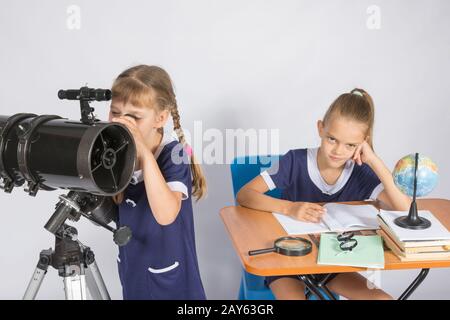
point(432, 243)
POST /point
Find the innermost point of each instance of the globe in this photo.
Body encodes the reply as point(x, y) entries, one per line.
point(427, 175)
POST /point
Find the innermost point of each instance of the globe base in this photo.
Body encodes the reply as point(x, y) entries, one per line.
point(415, 224)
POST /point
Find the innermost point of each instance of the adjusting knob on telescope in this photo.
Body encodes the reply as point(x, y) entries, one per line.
point(122, 236)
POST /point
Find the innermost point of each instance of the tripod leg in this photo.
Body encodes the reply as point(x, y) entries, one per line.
point(96, 285)
point(75, 283)
point(38, 275)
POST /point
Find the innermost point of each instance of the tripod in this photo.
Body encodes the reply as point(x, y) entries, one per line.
point(75, 263)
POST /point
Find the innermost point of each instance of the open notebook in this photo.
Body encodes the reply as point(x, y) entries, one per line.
point(339, 218)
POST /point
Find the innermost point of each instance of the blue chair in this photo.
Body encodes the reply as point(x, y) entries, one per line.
point(243, 170)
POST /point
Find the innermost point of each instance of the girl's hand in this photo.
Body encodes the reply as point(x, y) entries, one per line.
point(306, 211)
point(141, 147)
point(364, 154)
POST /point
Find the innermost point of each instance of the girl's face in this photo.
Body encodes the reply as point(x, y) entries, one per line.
point(148, 120)
point(340, 137)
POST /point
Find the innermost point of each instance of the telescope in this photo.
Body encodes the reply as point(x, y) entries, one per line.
point(48, 152)
point(93, 160)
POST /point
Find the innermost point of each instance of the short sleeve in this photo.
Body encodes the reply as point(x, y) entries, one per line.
point(370, 184)
point(281, 173)
point(175, 169)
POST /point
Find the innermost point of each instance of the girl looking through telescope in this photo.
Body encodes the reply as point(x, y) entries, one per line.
point(160, 261)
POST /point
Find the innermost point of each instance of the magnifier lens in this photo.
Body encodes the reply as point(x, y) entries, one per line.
point(292, 244)
point(289, 246)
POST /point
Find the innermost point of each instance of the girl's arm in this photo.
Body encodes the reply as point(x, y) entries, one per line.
point(165, 203)
point(391, 195)
point(252, 196)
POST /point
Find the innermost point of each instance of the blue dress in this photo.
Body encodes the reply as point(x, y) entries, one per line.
point(160, 262)
point(298, 177)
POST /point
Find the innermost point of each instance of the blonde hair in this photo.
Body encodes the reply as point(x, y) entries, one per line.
point(356, 105)
point(145, 85)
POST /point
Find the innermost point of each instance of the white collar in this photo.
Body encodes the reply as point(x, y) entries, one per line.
point(316, 177)
point(167, 138)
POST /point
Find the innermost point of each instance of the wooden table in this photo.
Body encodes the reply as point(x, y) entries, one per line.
point(252, 229)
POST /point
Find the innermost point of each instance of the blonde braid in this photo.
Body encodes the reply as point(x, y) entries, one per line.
point(198, 178)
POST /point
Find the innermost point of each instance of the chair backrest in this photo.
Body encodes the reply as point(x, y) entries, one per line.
point(244, 169)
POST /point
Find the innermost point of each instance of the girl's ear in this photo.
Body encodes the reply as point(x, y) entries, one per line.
point(320, 128)
point(367, 139)
point(161, 118)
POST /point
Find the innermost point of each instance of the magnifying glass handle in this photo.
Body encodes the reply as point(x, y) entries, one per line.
point(260, 251)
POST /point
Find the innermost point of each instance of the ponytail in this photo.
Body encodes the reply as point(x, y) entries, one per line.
point(370, 113)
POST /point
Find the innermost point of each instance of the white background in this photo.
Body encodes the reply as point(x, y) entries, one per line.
point(235, 64)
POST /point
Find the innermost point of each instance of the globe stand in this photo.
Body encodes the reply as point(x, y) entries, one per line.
point(412, 220)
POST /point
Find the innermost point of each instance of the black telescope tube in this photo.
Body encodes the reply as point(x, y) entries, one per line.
point(53, 153)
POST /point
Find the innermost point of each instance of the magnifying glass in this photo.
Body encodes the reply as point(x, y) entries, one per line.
point(288, 246)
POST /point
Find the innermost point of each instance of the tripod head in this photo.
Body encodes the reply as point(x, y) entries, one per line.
point(98, 209)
